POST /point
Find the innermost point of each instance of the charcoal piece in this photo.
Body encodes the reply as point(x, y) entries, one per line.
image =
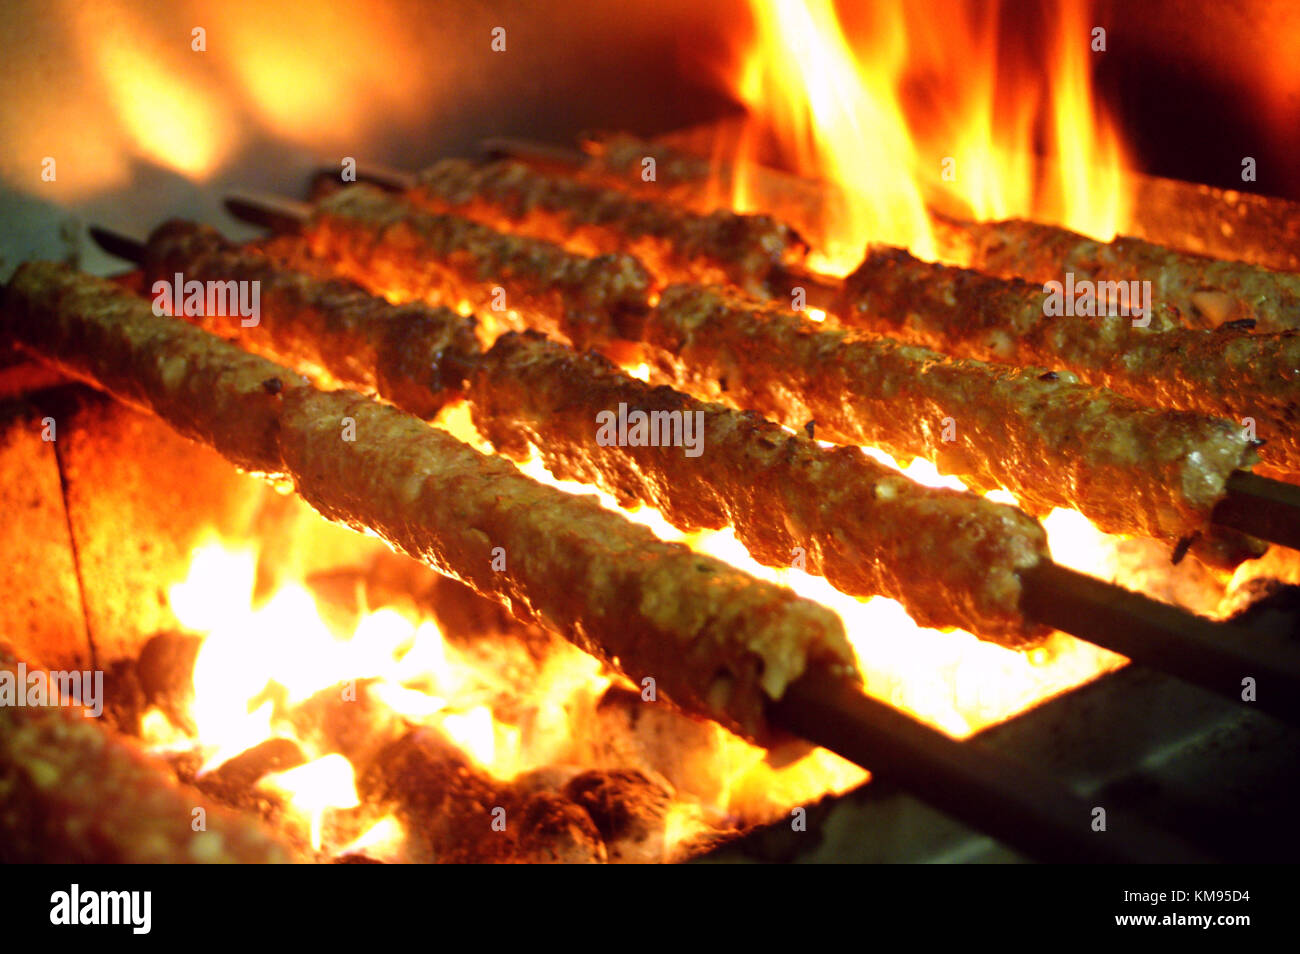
point(628, 808)
point(554, 830)
point(165, 671)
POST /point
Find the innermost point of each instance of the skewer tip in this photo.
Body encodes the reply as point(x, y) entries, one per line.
point(376, 174)
point(118, 244)
point(270, 211)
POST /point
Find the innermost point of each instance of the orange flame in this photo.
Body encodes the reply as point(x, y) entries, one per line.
point(909, 112)
point(844, 123)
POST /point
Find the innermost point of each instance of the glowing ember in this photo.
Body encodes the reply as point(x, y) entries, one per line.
point(508, 706)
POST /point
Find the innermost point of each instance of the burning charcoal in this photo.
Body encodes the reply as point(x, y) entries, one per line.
point(243, 771)
point(446, 804)
point(234, 783)
point(165, 669)
point(549, 778)
point(628, 810)
point(554, 830)
point(347, 720)
point(651, 736)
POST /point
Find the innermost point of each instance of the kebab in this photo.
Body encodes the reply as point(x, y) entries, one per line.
point(542, 400)
point(1234, 375)
point(519, 281)
point(719, 642)
point(1129, 468)
point(1042, 435)
point(72, 794)
point(726, 645)
point(1228, 372)
point(620, 159)
point(895, 294)
point(1208, 292)
point(676, 244)
point(952, 559)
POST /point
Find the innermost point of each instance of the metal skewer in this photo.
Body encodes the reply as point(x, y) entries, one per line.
point(967, 780)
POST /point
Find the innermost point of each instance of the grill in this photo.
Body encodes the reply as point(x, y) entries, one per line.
point(597, 321)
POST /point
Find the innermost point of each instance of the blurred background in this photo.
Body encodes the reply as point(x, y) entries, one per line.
point(142, 127)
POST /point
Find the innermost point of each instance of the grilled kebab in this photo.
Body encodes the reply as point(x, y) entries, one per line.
point(1042, 435)
point(718, 642)
point(674, 243)
point(73, 793)
point(1206, 291)
point(868, 529)
point(1227, 372)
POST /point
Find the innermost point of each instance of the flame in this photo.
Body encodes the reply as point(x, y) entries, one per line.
point(511, 711)
point(381, 841)
point(315, 788)
point(1086, 143)
point(844, 123)
point(507, 711)
point(904, 109)
point(174, 122)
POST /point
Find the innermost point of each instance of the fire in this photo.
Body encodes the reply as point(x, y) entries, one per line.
point(322, 784)
point(510, 713)
point(906, 109)
point(844, 123)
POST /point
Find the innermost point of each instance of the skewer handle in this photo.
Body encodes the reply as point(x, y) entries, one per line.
point(1213, 655)
point(509, 148)
point(377, 174)
point(1264, 508)
point(968, 780)
point(116, 243)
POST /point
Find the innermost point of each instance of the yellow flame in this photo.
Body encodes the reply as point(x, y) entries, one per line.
point(912, 110)
point(1086, 144)
point(381, 841)
point(844, 123)
point(315, 788)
